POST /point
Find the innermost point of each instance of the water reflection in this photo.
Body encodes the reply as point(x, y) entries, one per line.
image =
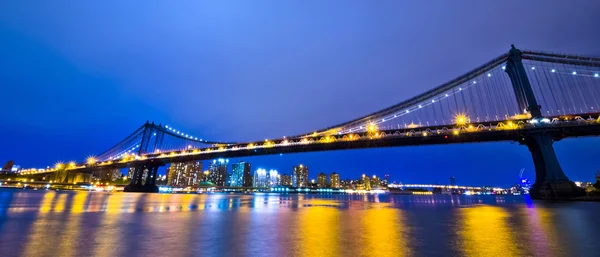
point(318, 230)
point(485, 231)
point(48, 223)
point(384, 232)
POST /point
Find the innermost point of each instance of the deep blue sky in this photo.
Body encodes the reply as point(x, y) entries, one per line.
point(78, 76)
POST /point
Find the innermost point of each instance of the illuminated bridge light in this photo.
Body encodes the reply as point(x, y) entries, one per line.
point(533, 68)
point(553, 70)
point(407, 111)
point(446, 95)
point(474, 82)
point(433, 100)
point(574, 73)
point(420, 106)
point(460, 88)
point(596, 75)
point(489, 74)
point(504, 67)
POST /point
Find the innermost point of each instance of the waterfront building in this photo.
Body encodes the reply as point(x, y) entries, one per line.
point(273, 178)
point(130, 172)
point(240, 175)
point(286, 180)
point(322, 180)
point(334, 180)
point(386, 180)
point(184, 174)
point(218, 171)
point(107, 174)
point(8, 167)
point(205, 176)
point(260, 179)
point(300, 176)
point(375, 182)
point(366, 182)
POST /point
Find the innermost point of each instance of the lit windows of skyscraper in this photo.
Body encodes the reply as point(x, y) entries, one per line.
point(322, 180)
point(367, 182)
point(130, 172)
point(260, 178)
point(375, 182)
point(300, 176)
point(334, 180)
point(240, 176)
point(184, 174)
point(218, 171)
point(286, 180)
point(273, 178)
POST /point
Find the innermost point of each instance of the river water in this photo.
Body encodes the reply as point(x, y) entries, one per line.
point(48, 223)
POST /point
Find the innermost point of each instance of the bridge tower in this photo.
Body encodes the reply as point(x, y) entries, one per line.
point(144, 178)
point(550, 181)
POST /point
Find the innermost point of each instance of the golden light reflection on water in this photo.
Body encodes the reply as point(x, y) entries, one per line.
point(47, 200)
point(384, 232)
point(318, 230)
point(59, 205)
point(70, 232)
point(38, 239)
point(111, 234)
point(107, 224)
point(485, 232)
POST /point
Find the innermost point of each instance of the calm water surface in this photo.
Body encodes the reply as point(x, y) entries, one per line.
point(48, 223)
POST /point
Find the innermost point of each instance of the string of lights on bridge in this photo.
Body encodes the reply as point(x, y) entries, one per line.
point(437, 99)
point(182, 134)
point(253, 146)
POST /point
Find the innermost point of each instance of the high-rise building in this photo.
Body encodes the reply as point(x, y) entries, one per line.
point(8, 166)
point(205, 176)
point(184, 174)
point(273, 178)
point(375, 182)
point(300, 176)
point(218, 171)
point(334, 180)
point(386, 180)
point(108, 174)
point(367, 182)
point(260, 178)
point(130, 172)
point(240, 175)
point(452, 181)
point(322, 180)
point(286, 180)
point(247, 176)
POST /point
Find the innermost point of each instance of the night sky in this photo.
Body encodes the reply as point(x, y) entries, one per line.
point(78, 76)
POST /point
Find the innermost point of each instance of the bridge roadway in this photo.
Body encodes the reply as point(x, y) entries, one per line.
point(512, 130)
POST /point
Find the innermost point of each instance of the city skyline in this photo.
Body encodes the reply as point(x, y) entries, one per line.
point(190, 174)
point(373, 63)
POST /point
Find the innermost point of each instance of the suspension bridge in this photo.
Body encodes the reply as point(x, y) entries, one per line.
point(533, 98)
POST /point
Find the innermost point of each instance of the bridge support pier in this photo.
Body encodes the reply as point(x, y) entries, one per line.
point(137, 184)
point(550, 180)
